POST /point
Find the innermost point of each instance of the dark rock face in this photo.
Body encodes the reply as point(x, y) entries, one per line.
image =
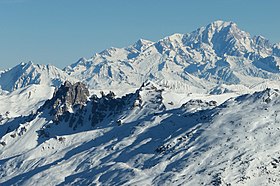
point(197, 104)
point(71, 109)
point(76, 94)
point(72, 105)
point(67, 98)
point(108, 106)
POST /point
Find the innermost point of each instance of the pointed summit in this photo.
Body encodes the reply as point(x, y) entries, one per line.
point(219, 24)
point(223, 37)
point(66, 98)
point(224, 30)
point(142, 44)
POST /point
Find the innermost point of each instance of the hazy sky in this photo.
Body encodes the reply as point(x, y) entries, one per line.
point(59, 32)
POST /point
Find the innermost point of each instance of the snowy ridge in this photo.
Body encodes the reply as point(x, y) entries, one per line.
point(143, 143)
point(217, 54)
point(26, 74)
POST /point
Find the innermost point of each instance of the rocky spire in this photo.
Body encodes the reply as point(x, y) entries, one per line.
point(67, 98)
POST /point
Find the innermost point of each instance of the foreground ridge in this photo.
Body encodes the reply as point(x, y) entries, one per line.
point(136, 140)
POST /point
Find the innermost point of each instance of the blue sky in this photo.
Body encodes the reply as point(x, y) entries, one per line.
point(59, 32)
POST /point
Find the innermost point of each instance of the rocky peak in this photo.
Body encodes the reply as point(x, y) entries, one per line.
point(195, 105)
point(72, 94)
point(86, 112)
point(267, 96)
point(66, 98)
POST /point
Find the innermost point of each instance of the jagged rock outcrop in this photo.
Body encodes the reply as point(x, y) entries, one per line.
point(66, 99)
point(72, 106)
point(195, 105)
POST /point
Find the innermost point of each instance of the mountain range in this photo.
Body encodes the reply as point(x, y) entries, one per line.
point(190, 109)
point(211, 57)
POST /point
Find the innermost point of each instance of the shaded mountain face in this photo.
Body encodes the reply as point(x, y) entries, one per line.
point(219, 53)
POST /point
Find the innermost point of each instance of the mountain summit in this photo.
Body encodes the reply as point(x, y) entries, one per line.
point(225, 38)
point(219, 53)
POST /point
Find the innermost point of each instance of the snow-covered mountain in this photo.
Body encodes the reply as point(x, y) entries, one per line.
point(136, 140)
point(29, 73)
point(190, 109)
point(209, 58)
point(217, 54)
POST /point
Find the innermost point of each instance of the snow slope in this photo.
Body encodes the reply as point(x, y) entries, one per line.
point(144, 143)
point(26, 74)
point(25, 100)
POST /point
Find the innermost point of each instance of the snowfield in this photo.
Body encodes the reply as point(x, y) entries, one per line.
point(191, 109)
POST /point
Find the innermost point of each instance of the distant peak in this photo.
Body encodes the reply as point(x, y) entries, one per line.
point(109, 51)
point(262, 41)
point(219, 25)
point(259, 37)
point(81, 60)
point(142, 44)
point(175, 36)
point(143, 41)
point(28, 63)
